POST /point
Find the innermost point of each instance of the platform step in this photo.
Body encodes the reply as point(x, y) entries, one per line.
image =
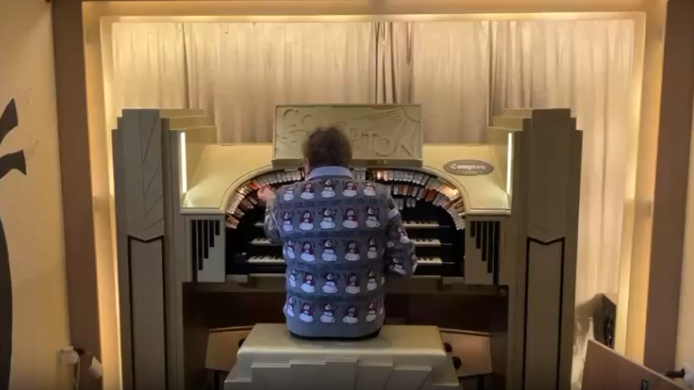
point(508, 122)
point(519, 112)
point(186, 122)
point(179, 112)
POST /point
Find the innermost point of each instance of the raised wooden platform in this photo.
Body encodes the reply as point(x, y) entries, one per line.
point(402, 357)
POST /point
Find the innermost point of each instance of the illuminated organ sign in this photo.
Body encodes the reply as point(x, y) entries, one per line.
point(468, 167)
point(377, 133)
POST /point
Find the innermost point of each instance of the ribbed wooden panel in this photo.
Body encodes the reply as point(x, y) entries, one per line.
point(143, 179)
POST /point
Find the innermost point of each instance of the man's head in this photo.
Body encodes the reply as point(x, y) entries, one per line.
point(327, 146)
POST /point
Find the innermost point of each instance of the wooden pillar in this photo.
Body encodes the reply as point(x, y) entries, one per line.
point(78, 216)
point(671, 187)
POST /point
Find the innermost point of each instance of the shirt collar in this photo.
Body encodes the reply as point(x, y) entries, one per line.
point(329, 171)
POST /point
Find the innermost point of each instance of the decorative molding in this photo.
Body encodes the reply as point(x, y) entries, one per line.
point(377, 132)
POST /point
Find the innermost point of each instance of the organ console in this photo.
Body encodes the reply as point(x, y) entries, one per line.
point(432, 208)
point(494, 226)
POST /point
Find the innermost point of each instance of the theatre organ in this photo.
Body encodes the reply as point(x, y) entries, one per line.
point(499, 218)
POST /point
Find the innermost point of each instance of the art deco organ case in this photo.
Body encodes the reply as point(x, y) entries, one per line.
point(494, 226)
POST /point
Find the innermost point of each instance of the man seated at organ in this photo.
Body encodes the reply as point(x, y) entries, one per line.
point(340, 239)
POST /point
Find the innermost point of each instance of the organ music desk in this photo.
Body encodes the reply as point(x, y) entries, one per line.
point(495, 225)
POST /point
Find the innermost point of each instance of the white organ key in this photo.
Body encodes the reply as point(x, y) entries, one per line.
point(261, 242)
point(265, 260)
point(426, 241)
point(429, 261)
point(421, 224)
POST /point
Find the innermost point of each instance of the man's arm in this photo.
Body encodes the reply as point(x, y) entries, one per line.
point(399, 257)
point(272, 231)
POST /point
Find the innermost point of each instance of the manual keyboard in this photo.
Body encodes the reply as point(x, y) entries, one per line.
point(265, 260)
point(429, 242)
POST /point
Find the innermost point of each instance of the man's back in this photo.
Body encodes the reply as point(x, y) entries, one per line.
point(341, 238)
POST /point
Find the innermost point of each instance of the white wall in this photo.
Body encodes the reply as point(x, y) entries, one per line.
point(31, 206)
point(685, 332)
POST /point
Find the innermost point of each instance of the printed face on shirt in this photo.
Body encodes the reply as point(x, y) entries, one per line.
point(353, 279)
point(330, 277)
point(308, 187)
point(328, 184)
point(371, 211)
point(328, 244)
point(306, 307)
point(308, 247)
point(327, 213)
point(287, 216)
point(308, 279)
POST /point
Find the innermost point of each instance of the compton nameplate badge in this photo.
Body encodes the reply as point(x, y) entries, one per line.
point(381, 135)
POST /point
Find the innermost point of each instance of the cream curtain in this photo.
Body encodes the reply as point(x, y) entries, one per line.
point(393, 63)
point(451, 79)
point(148, 66)
point(238, 72)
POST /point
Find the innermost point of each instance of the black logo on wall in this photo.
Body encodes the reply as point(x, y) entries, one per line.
point(8, 162)
point(468, 167)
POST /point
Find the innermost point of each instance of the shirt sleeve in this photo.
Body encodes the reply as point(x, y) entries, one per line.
point(400, 258)
point(272, 231)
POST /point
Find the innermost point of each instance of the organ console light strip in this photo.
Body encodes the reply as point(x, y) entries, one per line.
point(184, 163)
point(509, 163)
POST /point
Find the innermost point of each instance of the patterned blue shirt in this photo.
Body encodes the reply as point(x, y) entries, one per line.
point(340, 239)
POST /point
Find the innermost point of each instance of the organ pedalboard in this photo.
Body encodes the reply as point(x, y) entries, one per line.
point(432, 209)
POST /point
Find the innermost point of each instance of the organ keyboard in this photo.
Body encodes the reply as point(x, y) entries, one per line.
point(433, 209)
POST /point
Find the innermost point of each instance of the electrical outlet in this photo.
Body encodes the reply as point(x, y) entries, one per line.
point(689, 376)
point(95, 368)
point(68, 356)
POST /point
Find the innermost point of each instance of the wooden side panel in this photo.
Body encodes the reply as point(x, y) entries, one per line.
point(147, 300)
point(140, 209)
point(483, 250)
point(543, 242)
point(143, 175)
point(206, 250)
point(606, 369)
point(543, 315)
